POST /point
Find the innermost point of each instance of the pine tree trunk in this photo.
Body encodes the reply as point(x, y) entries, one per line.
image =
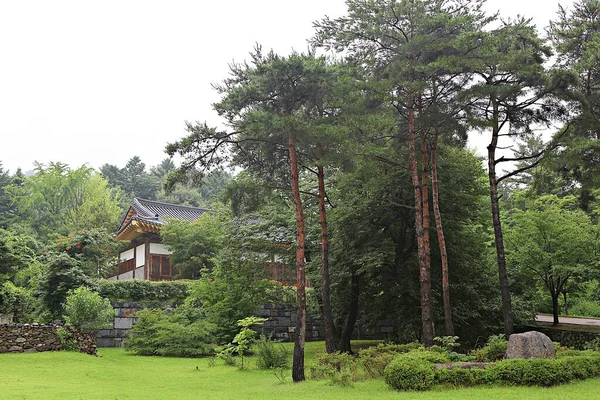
point(330, 344)
point(426, 272)
point(300, 332)
point(500, 256)
point(449, 327)
point(425, 284)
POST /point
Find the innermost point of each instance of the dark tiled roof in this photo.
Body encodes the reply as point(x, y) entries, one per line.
point(155, 213)
point(158, 212)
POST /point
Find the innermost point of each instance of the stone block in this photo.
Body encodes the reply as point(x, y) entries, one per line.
point(15, 349)
point(20, 340)
point(123, 323)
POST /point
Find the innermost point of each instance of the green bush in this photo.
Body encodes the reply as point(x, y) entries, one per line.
point(66, 339)
point(407, 372)
point(271, 355)
point(461, 377)
point(140, 291)
point(530, 372)
point(337, 367)
point(493, 350)
point(87, 311)
point(18, 301)
point(180, 332)
point(586, 308)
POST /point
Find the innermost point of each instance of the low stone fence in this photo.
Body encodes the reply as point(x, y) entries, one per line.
point(26, 338)
point(124, 320)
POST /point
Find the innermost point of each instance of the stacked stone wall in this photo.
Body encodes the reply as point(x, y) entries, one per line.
point(31, 338)
point(280, 325)
point(570, 339)
point(122, 323)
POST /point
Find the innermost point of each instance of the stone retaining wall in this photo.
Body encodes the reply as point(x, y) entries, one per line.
point(571, 339)
point(280, 324)
point(26, 338)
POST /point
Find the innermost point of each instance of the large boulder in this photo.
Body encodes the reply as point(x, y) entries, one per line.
point(529, 345)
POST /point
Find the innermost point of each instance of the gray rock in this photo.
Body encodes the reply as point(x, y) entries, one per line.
point(529, 345)
point(20, 340)
point(13, 349)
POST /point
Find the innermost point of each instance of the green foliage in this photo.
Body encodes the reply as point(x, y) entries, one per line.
point(143, 292)
point(194, 245)
point(87, 310)
point(449, 343)
point(585, 308)
point(180, 332)
point(538, 372)
point(57, 199)
point(233, 290)
point(271, 355)
point(227, 354)
point(460, 377)
point(18, 301)
point(340, 368)
point(66, 339)
point(94, 247)
point(246, 336)
point(552, 244)
point(493, 350)
point(61, 274)
point(406, 372)
point(132, 179)
point(17, 251)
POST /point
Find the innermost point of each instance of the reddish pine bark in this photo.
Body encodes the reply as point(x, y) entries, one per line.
point(449, 327)
point(300, 332)
point(330, 345)
point(425, 284)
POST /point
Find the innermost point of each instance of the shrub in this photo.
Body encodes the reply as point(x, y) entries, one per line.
point(87, 311)
point(339, 367)
point(586, 308)
point(18, 301)
point(66, 339)
point(271, 355)
point(407, 372)
point(493, 350)
point(180, 332)
point(246, 336)
point(461, 377)
point(530, 372)
point(140, 291)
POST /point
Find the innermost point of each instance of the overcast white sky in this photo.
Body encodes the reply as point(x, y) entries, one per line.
point(94, 82)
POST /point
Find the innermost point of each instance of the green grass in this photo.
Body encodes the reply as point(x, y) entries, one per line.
point(119, 375)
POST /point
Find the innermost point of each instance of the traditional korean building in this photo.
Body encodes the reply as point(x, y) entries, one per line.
point(146, 257)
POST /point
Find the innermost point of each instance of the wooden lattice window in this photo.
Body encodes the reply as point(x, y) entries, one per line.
point(160, 267)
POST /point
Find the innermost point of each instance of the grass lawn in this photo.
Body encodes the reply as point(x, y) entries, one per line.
point(119, 375)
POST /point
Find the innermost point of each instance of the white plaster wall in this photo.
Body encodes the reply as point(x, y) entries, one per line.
point(126, 276)
point(139, 273)
point(127, 255)
point(159, 248)
point(140, 256)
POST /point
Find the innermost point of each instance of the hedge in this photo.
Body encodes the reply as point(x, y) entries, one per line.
point(411, 372)
point(142, 291)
